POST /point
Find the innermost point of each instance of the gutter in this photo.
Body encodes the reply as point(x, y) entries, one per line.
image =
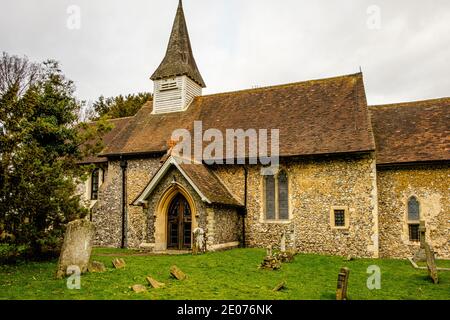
point(123, 166)
point(394, 165)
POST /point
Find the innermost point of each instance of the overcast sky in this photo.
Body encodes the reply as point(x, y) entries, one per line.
point(402, 46)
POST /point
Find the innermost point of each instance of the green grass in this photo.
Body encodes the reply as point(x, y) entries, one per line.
point(224, 275)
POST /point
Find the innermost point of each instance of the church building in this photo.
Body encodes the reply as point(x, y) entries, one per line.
point(352, 179)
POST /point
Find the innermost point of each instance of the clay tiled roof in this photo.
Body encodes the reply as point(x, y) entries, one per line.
point(315, 117)
point(412, 132)
point(179, 59)
point(209, 184)
point(118, 125)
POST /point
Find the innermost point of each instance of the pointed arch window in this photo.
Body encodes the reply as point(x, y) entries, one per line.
point(283, 196)
point(413, 219)
point(95, 183)
point(276, 192)
point(270, 197)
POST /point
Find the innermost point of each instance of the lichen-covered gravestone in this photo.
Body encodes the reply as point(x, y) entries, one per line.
point(431, 264)
point(77, 247)
point(177, 273)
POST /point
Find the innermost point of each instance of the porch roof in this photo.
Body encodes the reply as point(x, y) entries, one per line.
point(205, 183)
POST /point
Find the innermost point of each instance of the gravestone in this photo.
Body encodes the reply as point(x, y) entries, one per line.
point(198, 243)
point(420, 255)
point(118, 263)
point(279, 286)
point(177, 273)
point(155, 284)
point(431, 264)
point(342, 284)
point(96, 266)
point(77, 247)
point(283, 242)
point(139, 288)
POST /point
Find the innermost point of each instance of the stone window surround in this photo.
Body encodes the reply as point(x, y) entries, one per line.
point(262, 218)
point(347, 218)
point(408, 222)
point(88, 185)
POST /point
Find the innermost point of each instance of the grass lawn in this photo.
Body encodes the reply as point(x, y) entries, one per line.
point(224, 275)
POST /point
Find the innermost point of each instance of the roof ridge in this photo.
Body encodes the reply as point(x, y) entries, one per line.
point(408, 103)
point(278, 86)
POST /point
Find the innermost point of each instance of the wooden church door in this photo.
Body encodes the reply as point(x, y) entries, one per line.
point(179, 224)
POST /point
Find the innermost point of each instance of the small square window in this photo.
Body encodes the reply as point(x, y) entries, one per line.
point(414, 234)
point(339, 218)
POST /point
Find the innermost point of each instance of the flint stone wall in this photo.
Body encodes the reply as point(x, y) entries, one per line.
point(315, 186)
point(430, 185)
point(107, 212)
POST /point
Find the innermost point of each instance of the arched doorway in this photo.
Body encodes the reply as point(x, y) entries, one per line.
point(179, 223)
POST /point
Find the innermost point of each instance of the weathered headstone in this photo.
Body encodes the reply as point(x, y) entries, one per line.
point(279, 286)
point(77, 247)
point(96, 266)
point(118, 263)
point(155, 284)
point(431, 264)
point(198, 243)
point(421, 255)
point(139, 288)
point(177, 273)
point(342, 284)
point(283, 242)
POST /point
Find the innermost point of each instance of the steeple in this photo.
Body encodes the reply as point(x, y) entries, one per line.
point(179, 59)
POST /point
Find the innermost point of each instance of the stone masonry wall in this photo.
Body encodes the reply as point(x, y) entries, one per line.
point(139, 173)
point(227, 225)
point(430, 185)
point(107, 212)
point(315, 186)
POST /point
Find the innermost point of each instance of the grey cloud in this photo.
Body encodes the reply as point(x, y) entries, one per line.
point(240, 43)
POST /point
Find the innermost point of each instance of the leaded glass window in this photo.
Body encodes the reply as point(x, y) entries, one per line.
point(283, 196)
point(414, 234)
point(339, 218)
point(413, 209)
point(270, 197)
point(94, 184)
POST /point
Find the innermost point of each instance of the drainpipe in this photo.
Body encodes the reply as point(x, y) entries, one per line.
point(123, 166)
point(244, 212)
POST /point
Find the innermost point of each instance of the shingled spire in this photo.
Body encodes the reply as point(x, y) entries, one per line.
point(179, 59)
